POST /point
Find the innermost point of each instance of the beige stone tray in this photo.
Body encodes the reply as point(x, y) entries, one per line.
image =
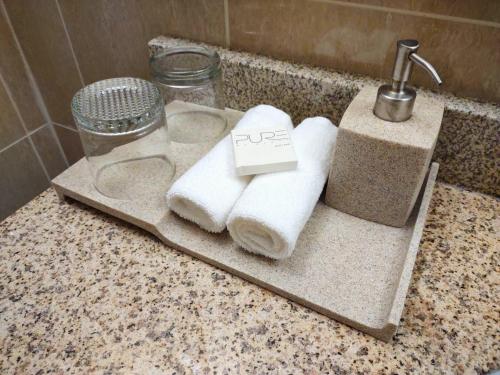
point(349, 269)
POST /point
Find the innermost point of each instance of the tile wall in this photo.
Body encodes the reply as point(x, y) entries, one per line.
point(30, 153)
point(461, 38)
point(71, 43)
point(67, 44)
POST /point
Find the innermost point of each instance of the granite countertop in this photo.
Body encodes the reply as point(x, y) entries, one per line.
point(83, 292)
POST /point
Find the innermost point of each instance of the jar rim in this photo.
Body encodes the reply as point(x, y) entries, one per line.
point(166, 70)
point(142, 118)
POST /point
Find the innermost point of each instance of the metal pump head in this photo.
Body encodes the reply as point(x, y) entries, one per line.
point(395, 102)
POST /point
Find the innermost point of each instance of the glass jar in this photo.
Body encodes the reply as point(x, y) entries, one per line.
point(121, 122)
point(190, 80)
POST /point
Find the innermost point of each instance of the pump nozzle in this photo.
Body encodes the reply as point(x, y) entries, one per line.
point(395, 101)
point(427, 66)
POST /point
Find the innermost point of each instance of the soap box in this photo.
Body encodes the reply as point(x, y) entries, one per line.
point(263, 150)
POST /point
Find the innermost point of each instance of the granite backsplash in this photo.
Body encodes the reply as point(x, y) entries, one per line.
point(468, 148)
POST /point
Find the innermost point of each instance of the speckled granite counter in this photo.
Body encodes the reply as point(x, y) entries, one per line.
point(82, 292)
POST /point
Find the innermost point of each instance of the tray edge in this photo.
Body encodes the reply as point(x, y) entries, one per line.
point(407, 272)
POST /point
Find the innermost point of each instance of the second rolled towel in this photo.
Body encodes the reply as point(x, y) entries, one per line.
point(272, 211)
point(207, 192)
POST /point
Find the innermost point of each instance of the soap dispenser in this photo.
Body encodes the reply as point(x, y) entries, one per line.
point(384, 145)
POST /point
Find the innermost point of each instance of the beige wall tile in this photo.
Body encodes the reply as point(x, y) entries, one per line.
point(22, 177)
point(14, 74)
point(200, 20)
point(110, 37)
point(70, 142)
point(42, 37)
point(484, 10)
point(11, 128)
point(46, 144)
point(363, 41)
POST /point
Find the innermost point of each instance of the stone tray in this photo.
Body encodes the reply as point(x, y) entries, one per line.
point(346, 268)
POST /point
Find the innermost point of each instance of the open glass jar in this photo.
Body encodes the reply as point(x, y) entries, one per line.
point(190, 80)
point(122, 126)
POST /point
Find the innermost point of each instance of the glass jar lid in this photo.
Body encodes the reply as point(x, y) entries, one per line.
point(185, 66)
point(117, 105)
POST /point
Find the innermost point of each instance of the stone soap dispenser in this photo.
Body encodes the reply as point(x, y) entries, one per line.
point(384, 146)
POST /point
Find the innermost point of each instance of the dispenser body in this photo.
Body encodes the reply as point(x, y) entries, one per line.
point(378, 166)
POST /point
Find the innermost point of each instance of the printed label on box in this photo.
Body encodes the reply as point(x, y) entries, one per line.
point(263, 150)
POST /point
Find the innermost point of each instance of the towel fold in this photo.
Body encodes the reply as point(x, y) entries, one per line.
point(207, 192)
point(272, 211)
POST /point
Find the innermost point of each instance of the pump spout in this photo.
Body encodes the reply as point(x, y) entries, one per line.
point(427, 66)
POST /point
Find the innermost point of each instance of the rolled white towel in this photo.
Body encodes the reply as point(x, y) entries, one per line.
point(207, 192)
point(272, 211)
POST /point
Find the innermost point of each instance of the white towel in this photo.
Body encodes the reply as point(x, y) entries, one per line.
point(272, 211)
point(207, 192)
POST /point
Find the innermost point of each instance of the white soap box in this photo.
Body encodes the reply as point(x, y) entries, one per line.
point(263, 150)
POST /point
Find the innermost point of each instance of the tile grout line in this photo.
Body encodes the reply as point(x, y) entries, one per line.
point(59, 145)
point(31, 78)
point(15, 142)
point(66, 32)
point(27, 135)
point(226, 24)
point(65, 127)
point(416, 13)
point(23, 125)
point(34, 85)
point(37, 154)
